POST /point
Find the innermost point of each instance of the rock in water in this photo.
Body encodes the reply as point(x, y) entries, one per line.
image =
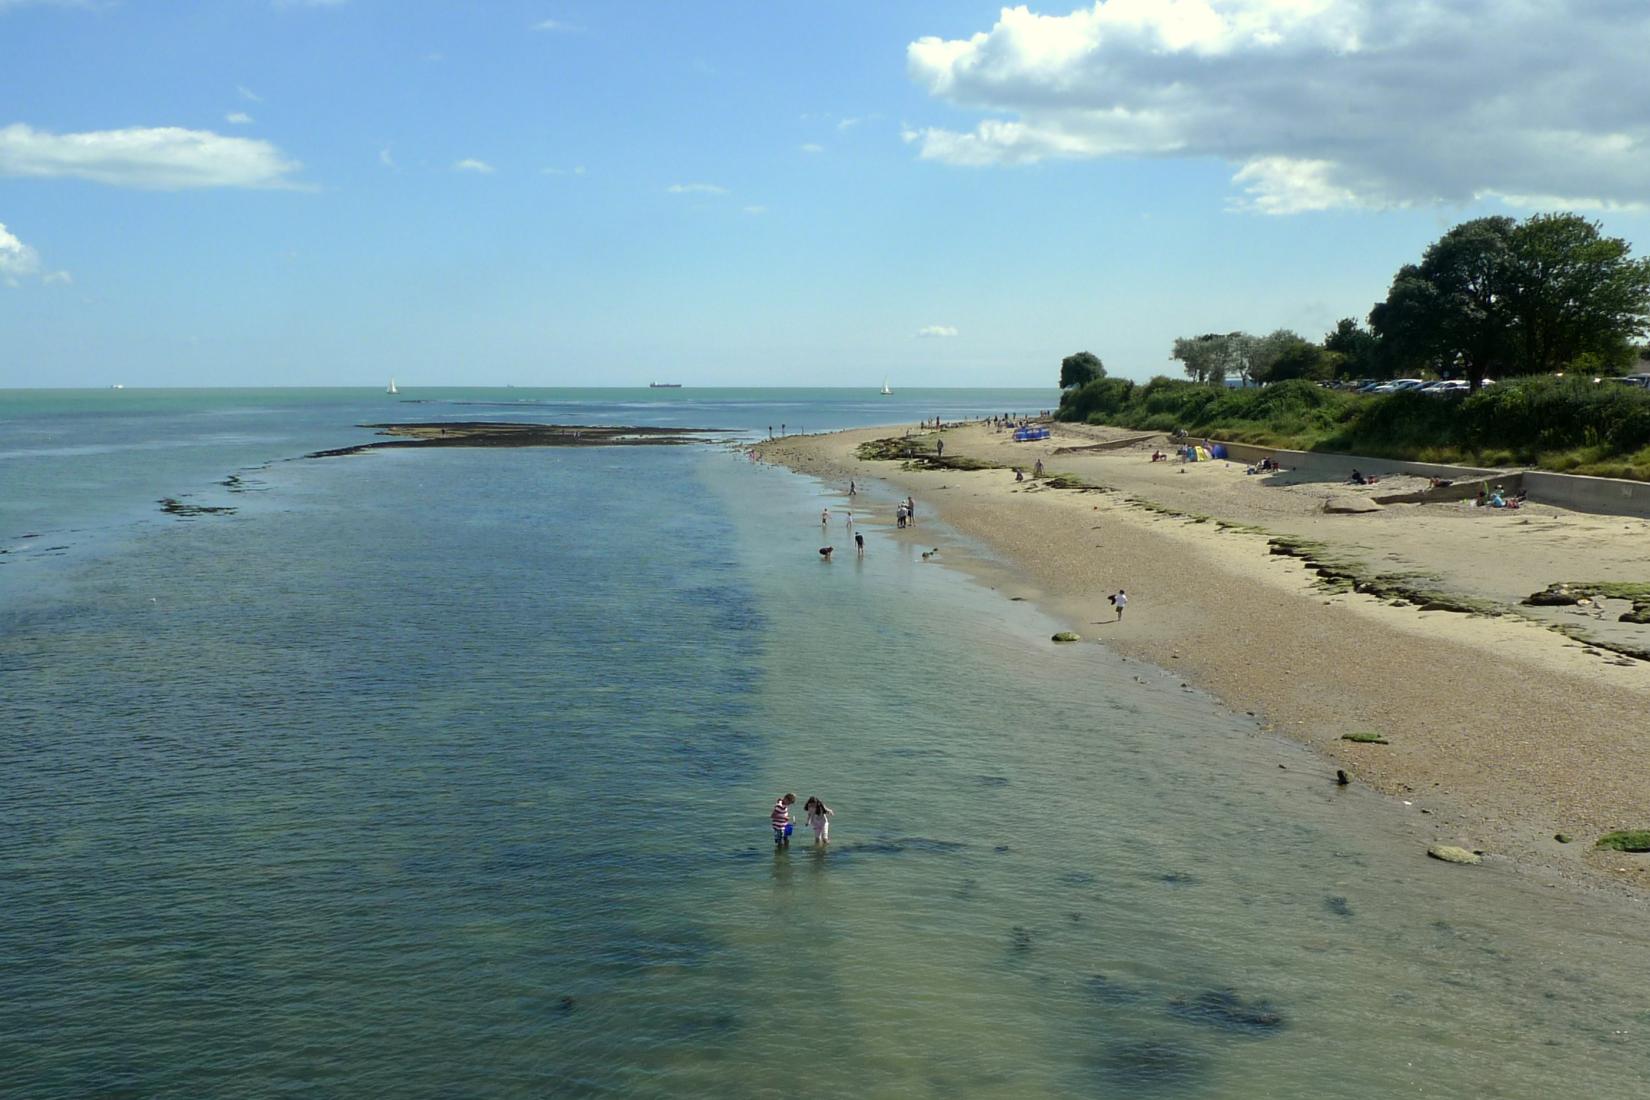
point(1449, 853)
point(1349, 504)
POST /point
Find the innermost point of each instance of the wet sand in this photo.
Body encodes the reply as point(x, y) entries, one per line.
point(1502, 731)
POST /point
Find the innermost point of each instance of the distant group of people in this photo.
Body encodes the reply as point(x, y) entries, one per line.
point(1499, 498)
point(818, 815)
point(905, 515)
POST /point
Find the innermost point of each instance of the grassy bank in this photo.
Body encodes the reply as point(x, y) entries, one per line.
point(1572, 426)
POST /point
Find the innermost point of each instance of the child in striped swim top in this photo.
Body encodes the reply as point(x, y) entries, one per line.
point(819, 818)
point(781, 819)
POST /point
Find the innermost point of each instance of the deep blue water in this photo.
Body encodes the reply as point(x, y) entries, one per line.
point(445, 773)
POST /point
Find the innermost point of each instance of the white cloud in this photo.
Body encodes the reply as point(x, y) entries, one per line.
point(385, 158)
point(248, 94)
point(160, 158)
point(848, 123)
point(470, 164)
point(1316, 104)
point(57, 278)
point(576, 170)
point(17, 259)
point(755, 210)
point(554, 25)
point(696, 189)
point(238, 118)
point(937, 331)
point(813, 147)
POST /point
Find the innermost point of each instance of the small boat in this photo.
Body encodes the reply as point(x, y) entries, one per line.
point(391, 387)
point(886, 392)
point(664, 385)
point(118, 386)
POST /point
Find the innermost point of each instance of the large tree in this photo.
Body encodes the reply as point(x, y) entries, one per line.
point(1575, 293)
point(1515, 297)
point(1081, 368)
point(1354, 350)
point(1214, 355)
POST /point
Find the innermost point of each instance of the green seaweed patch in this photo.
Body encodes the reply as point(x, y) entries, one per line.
point(1627, 840)
point(1365, 738)
point(1567, 594)
point(1339, 574)
point(1067, 636)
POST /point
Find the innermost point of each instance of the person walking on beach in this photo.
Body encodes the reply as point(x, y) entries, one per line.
point(850, 520)
point(859, 544)
point(911, 511)
point(939, 448)
point(1120, 601)
point(819, 819)
point(851, 489)
point(781, 819)
point(899, 516)
point(824, 516)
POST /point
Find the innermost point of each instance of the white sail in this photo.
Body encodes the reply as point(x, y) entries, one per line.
point(886, 392)
point(391, 387)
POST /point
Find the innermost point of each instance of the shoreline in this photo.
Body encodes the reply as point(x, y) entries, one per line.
point(1502, 732)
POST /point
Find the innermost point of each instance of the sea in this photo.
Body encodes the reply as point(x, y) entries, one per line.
point(446, 772)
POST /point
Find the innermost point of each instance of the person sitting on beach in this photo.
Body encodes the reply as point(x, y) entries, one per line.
point(825, 553)
point(1159, 456)
point(819, 819)
point(780, 819)
point(1019, 474)
point(1358, 478)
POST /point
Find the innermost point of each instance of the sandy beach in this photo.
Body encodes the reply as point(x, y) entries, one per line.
point(1504, 730)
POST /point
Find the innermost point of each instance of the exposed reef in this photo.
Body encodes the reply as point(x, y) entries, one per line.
point(480, 433)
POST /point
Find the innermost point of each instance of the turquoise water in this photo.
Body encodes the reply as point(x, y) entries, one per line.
point(439, 773)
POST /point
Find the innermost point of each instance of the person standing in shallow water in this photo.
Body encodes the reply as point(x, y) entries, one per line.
point(781, 819)
point(819, 819)
point(859, 544)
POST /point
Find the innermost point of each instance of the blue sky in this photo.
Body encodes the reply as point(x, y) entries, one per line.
point(274, 192)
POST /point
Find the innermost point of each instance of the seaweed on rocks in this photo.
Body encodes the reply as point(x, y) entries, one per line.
point(1226, 1010)
point(174, 507)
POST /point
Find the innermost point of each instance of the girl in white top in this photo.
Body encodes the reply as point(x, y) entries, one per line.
point(819, 819)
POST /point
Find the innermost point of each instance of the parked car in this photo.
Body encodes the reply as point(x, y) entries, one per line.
point(1642, 380)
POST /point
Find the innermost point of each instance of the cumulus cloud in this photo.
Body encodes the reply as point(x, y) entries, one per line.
point(16, 258)
point(696, 189)
point(931, 331)
point(470, 164)
point(159, 158)
point(1316, 104)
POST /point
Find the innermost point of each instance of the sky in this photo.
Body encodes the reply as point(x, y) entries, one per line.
point(940, 192)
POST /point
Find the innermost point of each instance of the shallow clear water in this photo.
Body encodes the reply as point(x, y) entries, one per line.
point(446, 772)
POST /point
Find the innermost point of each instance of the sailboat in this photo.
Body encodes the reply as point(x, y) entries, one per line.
point(886, 392)
point(391, 387)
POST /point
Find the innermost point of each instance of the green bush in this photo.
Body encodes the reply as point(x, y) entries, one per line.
point(1562, 423)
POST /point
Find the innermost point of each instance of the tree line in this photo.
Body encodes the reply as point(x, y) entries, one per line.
point(1493, 297)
